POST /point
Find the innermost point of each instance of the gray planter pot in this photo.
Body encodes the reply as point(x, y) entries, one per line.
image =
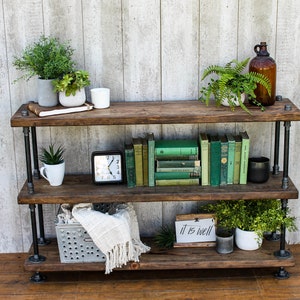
point(46, 96)
point(224, 240)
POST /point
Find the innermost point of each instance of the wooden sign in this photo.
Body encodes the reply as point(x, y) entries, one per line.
point(197, 229)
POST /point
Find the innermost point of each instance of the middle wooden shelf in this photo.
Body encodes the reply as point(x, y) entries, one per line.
point(79, 188)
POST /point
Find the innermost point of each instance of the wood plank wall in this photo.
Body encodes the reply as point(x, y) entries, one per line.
point(141, 50)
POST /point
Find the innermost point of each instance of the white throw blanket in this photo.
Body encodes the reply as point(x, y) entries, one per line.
point(117, 235)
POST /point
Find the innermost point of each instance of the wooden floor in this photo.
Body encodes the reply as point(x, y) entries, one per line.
point(200, 284)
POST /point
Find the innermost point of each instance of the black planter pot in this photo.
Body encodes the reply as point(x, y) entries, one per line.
point(258, 169)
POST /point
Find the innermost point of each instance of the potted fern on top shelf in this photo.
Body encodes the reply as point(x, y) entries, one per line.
point(232, 85)
point(47, 58)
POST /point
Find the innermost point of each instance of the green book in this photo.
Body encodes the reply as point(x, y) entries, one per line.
point(183, 169)
point(172, 182)
point(244, 157)
point(151, 160)
point(176, 148)
point(176, 175)
point(237, 159)
point(130, 166)
point(177, 163)
point(215, 160)
point(224, 160)
point(230, 163)
point(145, 162)
point(138, 160)
point(204, 156)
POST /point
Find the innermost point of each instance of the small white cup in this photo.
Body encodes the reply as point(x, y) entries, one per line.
point(100, 97)
point(53, 173)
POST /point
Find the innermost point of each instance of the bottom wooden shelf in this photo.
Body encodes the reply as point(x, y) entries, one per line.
point(176, 258)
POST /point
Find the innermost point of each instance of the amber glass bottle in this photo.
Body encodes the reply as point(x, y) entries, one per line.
point(266, 65)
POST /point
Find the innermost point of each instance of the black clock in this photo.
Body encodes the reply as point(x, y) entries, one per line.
point(107, 167)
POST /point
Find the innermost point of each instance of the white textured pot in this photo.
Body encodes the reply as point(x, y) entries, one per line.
point(70, 101)
point(235, 100)
point(247, 240)
point(46, 96)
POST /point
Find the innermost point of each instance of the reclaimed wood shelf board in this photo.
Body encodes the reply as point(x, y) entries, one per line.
point(176, 258)
point(79, 188)
point(160, 112)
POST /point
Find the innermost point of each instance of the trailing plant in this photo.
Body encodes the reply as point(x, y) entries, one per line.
point(165, 238)
point(232, 83)
point(252, 215)
point(47, 58)
point(52, 156)
point(72, 82)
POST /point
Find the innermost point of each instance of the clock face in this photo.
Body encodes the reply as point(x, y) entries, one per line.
point(107, 167)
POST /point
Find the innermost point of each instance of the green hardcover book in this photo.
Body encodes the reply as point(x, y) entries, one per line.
point(231, 153)
point(130, 166)
point(244, 157)
point(176, 175)
point(172, 182)
point(224, 160)
point(151, 159)
point(145, 162)
point(237, 159)
point(177, 148)
point(183, 169)
point(204, 156)
point(177, 163)
point(138, 160)
point(215, 160)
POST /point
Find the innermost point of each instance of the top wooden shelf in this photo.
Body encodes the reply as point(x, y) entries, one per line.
point(161, 112)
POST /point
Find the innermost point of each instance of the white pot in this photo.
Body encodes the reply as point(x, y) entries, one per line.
point(235, 100)
point(70, 101)
point(247, 240)
point(53, 173)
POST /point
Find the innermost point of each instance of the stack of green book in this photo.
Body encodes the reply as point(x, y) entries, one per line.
point(139, 161)
point(177, 162)
point(224, 158)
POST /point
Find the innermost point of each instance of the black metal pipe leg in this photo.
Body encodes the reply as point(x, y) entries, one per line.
point(36, 171)
point(28, 160)
point(276, 148)
point(282, 252)
point(285, 178)
point(42, 240)
point(35, 258)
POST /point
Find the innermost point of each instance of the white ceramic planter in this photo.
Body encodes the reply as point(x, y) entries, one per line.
point(71, 101)
point(53, 173)
point(247, 240)
point(235, 100)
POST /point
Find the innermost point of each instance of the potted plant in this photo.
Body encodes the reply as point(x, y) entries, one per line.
point(48, 59)
point(54, 164)
point(71, 87)
point(232, 86)
point(255, 216)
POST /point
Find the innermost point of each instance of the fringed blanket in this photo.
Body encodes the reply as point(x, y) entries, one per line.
point(117, 235)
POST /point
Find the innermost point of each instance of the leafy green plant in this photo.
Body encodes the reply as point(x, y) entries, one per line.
point(165, 238)
point(232, 83)
point(72, 82)
point(252, 215)
point(52, 156)
point(47, 58)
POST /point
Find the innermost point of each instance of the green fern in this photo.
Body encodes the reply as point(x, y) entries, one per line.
point(232, 82)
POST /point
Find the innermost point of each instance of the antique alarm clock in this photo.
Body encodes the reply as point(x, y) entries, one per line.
point(107, 167)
